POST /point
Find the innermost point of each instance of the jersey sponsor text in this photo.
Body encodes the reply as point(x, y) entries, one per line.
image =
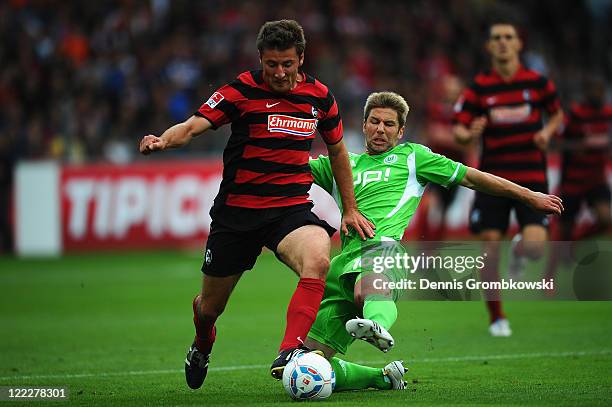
point(278, 123)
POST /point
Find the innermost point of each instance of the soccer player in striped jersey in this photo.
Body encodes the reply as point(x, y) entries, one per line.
point(586, 150)
point(263, 198)
point(389, 181)
point(504, 107)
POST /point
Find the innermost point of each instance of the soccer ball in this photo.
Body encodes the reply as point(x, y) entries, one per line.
point(309, 376)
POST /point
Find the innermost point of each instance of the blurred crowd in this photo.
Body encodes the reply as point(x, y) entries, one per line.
point(83, 81)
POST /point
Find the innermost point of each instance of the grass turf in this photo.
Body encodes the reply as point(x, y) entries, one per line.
point(115, 328)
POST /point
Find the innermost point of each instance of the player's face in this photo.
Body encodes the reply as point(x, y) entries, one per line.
point(381, 130)
point(504, 43)
point(281, 68)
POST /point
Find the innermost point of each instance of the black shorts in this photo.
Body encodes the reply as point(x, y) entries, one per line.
point(230, 251)
point(493, 212)
point(572, 203)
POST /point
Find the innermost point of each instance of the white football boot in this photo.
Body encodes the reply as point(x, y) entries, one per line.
point(371, 332)
point(500, 328)
point(395, 371)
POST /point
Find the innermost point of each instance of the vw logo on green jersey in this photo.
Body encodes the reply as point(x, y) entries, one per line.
point(390, 159)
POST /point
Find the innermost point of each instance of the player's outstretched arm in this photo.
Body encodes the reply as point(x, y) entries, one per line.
point(176, 136)
point(341, 168)
point(494, 185)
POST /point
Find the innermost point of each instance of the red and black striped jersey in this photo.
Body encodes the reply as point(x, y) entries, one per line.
point(587, 135)
point(514, 115)
point(265, 161)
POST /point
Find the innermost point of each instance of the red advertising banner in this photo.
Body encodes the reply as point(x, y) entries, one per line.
point(166, 204)
point(157, 204)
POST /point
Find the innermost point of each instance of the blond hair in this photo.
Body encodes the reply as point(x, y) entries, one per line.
point(389, 100)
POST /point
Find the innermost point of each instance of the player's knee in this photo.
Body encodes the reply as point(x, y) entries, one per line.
point(491, 237)
point(316, 266)
point(534, 250)
point(491, 247)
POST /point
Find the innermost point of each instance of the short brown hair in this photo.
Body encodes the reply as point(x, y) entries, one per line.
point(281, 35)
point(389, 100)
point(512, 22)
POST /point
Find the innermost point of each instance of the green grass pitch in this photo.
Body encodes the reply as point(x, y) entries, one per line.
point(114, 329)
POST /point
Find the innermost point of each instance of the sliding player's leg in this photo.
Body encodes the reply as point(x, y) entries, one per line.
point(329, 334)
point(371, 295)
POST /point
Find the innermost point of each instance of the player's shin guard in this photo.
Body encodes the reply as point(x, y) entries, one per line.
point(381, 310)
point(302, 311)
point(205, 328)
point(351, 376)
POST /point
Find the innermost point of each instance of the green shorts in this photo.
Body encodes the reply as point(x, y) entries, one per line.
point(338, 306)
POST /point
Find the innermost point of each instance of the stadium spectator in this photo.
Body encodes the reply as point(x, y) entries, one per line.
point(263, 198)
point(505, 106)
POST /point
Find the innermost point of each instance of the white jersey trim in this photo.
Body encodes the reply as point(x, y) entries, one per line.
point(413, 186)
point(452, 179)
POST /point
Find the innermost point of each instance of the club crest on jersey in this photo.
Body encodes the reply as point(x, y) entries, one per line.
point(315, 112)
point(526, 95)
point(279, 123)
point(214, 100)
point(390, 159)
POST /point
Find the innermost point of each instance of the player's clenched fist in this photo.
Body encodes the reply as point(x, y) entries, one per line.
point(477, 127)
point(151, 143)
point(541, 140)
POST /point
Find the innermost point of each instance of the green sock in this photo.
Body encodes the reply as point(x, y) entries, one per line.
point(351, 376)
point(383, 311)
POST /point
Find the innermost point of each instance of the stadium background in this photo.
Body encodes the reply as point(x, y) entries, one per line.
point(81, 82)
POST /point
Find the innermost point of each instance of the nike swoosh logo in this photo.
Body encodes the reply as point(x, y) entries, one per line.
point(269, 105)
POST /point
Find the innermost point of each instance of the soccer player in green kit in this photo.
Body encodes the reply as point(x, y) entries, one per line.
point(389, 180)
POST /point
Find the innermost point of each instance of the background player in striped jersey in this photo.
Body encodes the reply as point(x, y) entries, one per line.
point(504, 107)
point(586, 150)
point(439, 137)
point(263, 197)
point(389, 181)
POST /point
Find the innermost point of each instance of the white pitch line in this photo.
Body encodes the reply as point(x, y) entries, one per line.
point(248, 367)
